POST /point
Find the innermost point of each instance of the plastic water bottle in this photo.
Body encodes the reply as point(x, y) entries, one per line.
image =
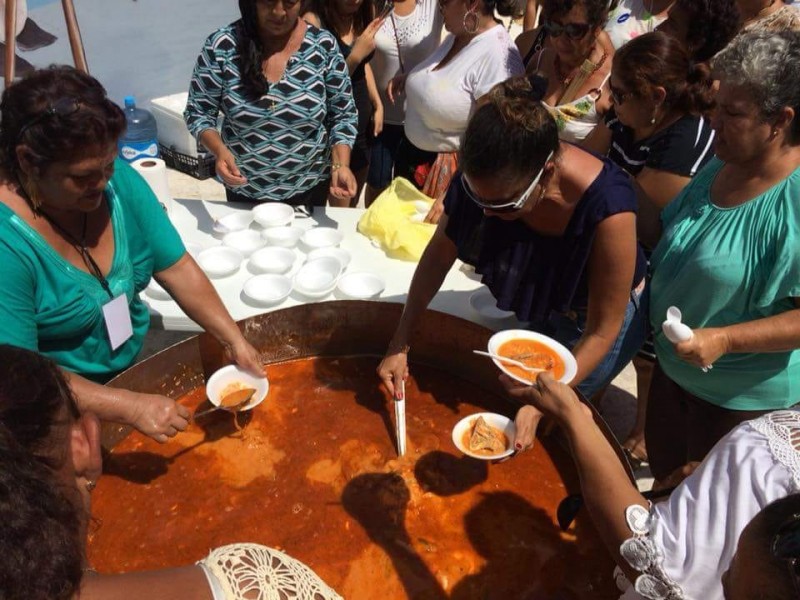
point(140, 139)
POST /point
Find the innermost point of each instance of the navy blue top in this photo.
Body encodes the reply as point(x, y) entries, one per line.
point(531, 273)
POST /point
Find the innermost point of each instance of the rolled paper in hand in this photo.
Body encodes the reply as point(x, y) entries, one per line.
point(676, 331)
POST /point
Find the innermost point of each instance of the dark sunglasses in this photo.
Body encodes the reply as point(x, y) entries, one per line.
point(617, 96)
point(786, 546)
point(61, 108)
point(506, 207)
point(574, 31)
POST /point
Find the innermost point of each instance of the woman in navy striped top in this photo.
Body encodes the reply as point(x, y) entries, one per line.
point(288, 117)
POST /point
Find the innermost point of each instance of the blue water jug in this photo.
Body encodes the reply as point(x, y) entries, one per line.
point(140, 139)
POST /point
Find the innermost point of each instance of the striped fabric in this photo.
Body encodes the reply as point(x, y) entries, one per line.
point(281, 140)
point(682, 148)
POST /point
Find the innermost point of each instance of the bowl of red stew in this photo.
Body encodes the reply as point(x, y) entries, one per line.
point(535, 350)
point(485, 436)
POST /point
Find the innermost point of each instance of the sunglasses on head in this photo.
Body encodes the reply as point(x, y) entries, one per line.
point(786, 546)
point(574, 31)
point(505, 207)
point(61, 108)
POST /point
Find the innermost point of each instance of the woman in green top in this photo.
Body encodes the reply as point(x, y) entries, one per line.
point(729, 258)
point(81, 234)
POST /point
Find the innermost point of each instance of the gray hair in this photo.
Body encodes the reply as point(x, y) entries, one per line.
point(768, 65)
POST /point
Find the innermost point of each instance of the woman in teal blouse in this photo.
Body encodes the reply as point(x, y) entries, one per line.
point(729, 258)
point(81, 234)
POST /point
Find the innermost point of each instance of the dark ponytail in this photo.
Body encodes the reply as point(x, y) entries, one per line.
point(41, 555)
point(250, 53)
point(657, 59)
point(41, 550)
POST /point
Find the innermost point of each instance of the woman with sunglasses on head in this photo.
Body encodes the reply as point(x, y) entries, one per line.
point(443, 90)
point(50, 461)
point(566, 51)
point(728, 259)
point(681, 544)
point(82, 235)
point(552, 231)
point(289, 121)
point(410, 33)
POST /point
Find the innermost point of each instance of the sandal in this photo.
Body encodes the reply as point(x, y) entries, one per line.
point(636, 462)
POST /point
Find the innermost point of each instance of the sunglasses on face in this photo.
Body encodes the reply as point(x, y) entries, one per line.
point(61, 108)
point(618, 96)
point(505, 207)
point(574, 31)
point(786, 546)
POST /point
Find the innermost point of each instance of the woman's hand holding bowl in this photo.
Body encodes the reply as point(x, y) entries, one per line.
point(548, 396)
point(526, 423)
point(243, 354)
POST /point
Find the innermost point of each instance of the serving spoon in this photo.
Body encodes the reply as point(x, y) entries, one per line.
point(233, 402)
point(511, 361)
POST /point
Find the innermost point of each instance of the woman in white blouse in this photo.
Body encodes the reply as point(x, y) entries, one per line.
point(683, 546)
point(442, 91)
point(409, 34)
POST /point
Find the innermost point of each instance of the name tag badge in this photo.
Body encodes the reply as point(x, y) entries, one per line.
point(118, 321)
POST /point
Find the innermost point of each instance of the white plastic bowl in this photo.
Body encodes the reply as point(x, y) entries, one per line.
point(500, 422)
point(246, 241)
point(220, 261)
point(235, 221)
point(317, 278)
point(233, 374)
point(483, 303)
point(273, 214)
point(361, 285)
point(155, 291)
point(322, 237)
point(268, 289)
point(287, 237)
point(340, 254)
point(273, 259)
point(501, 337)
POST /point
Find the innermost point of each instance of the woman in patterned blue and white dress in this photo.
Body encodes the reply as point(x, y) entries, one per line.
point(288, 117)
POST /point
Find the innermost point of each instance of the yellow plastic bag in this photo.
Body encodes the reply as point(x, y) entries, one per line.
point(394, 221)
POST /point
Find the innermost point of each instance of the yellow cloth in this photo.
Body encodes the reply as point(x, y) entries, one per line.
point(394, 221)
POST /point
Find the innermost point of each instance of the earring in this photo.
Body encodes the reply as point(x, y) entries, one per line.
point(90, 485)
point(473, 17)
point(653, 119)
point(29, 187)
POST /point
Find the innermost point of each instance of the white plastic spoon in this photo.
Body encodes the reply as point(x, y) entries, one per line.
point(511, 361)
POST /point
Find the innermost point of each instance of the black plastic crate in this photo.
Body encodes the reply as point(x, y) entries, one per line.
point(199, 167)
